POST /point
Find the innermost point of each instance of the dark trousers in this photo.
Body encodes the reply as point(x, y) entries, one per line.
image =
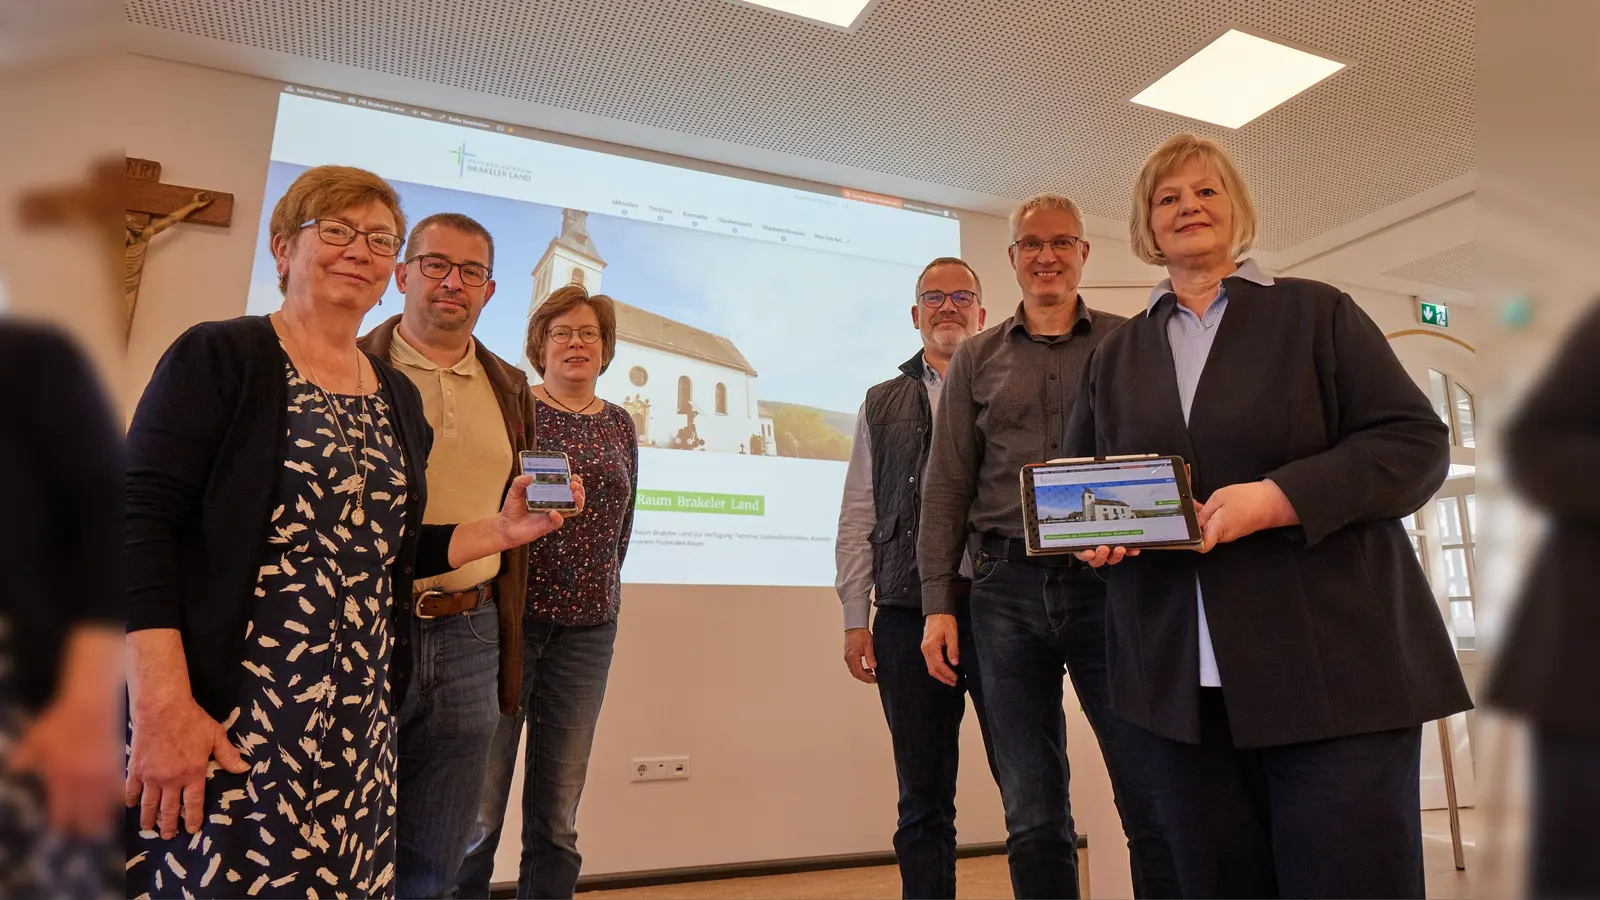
point(1334, 818)
point(1030, 622)
point(924, 718)
point(1562, 861)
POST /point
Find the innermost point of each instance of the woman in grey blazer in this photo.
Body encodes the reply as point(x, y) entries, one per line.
point(1285, 670)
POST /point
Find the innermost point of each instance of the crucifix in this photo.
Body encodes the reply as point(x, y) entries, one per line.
point(147, 206)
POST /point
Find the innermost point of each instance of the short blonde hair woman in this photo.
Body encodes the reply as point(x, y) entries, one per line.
point(1286, 668)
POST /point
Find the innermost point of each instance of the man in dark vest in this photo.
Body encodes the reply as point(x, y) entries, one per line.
point(877, 556)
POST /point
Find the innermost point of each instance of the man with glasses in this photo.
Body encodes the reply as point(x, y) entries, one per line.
point(1006, 400)
point(876, 555)
point(479, 405)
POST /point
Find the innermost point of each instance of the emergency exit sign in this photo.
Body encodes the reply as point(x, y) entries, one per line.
point(1436, 314)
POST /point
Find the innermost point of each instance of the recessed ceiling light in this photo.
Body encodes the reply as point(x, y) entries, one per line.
point(1236, 78)
point(838, 13)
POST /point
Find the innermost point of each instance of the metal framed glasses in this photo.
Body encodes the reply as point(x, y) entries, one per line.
point(438, 268)
point(1065, 243)
point(562, 334)
point(340, 234)
point(936, 299)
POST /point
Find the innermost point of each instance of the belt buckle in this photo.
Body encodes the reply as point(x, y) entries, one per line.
point(416, 606)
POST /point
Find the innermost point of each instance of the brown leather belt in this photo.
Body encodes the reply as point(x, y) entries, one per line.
point(434, 603)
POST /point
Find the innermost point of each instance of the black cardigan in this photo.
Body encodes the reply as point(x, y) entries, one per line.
point(1321, 630)
point(60, 492)
point(205, 451)
point(1548, 670)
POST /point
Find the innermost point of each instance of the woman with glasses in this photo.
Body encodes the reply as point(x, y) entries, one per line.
point(574, 594)
point(275, 491)
point(1287, 667)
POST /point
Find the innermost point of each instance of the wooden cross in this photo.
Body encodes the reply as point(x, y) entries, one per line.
point(140, 197)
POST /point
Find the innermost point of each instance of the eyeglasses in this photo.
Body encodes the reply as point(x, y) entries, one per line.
point(438, 268)
point(588, 334)
point(936, 299)
point(337, 233)
point(1033, 246)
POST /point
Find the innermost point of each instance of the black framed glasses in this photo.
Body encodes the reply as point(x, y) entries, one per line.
point(1065, 243)
point(340, 234)
point(588, 334)
point(936, 299)
point(438, 268)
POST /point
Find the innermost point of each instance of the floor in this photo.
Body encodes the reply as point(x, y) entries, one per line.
point(986, 876)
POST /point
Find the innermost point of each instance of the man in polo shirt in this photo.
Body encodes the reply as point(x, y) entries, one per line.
point(446, 693)
point(1007, 396)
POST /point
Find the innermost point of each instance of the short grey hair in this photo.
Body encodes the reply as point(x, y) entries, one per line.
point(1046, 201)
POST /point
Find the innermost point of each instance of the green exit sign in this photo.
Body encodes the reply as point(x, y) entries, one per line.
point(1436, 314)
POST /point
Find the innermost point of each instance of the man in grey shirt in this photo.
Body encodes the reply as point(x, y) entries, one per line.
point(1006, 400)
point(877, 549)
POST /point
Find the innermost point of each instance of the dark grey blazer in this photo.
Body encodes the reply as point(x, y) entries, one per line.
point(1320, 630)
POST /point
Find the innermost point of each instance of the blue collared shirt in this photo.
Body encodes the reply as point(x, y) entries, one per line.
point(1191, 337)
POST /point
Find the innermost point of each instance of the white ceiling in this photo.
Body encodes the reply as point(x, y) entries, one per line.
point(963, 103)
point(1452, 267)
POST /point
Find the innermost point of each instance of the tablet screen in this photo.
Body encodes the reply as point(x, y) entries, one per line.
point(1123, 503)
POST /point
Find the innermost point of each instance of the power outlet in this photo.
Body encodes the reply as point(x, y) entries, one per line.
point(659, 768)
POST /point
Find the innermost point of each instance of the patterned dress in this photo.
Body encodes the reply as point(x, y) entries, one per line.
point(314, 815)
point(575, 572)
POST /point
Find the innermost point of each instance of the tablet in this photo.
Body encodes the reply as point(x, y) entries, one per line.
point(1134, 501)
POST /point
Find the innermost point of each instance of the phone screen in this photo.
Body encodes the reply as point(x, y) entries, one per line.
point(552, 480)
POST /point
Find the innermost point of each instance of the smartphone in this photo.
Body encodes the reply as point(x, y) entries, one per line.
point(551, 490)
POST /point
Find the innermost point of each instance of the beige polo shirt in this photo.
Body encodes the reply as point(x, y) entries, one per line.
point(471, 457)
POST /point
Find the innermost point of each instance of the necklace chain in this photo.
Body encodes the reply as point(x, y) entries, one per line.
point(359, 516)
point(569, 409)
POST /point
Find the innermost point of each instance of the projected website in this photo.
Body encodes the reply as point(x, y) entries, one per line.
point(1115, 503)
point(751, 317)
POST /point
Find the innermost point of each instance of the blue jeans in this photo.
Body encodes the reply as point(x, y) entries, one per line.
point(925, 728)
point(445, 721)
point(1030, 621)
point(564, 671)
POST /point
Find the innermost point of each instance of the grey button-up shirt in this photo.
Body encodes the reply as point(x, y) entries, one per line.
point(1007, 396)
point(1191, 337)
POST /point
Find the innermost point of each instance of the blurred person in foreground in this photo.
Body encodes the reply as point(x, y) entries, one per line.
point(1548, 671)
point(60, 622)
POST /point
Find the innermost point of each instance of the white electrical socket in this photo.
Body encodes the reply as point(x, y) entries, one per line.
point(659, 768)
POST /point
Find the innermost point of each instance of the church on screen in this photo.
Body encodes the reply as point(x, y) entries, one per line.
point(686, 389)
